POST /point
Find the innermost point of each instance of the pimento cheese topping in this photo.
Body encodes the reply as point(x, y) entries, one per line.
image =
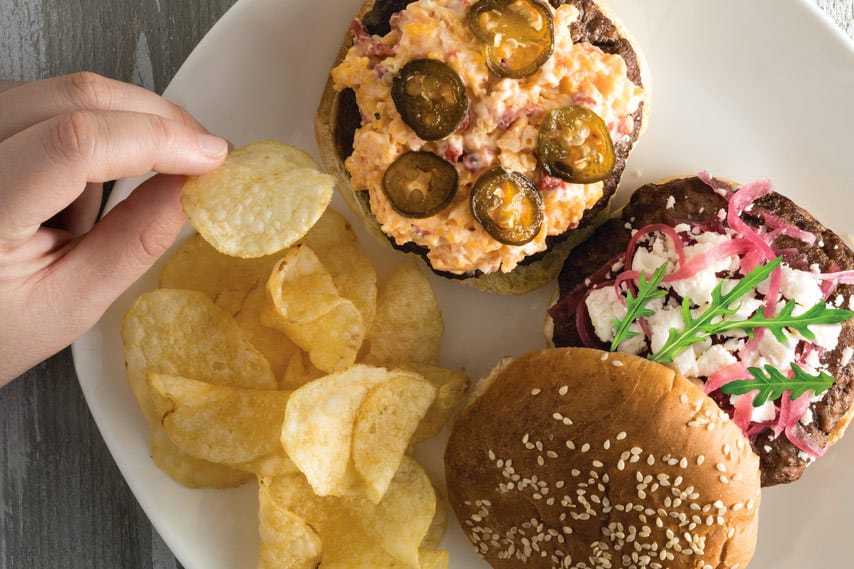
point(502, 127)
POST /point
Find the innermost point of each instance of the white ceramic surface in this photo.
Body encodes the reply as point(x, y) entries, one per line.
point(767, 94)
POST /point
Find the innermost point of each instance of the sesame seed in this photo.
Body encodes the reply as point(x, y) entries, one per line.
point(557, 416)
point(724, 479)
point(585, 447)
point(683, 398)
point(567, 421)
point(650, 460)
point(683, 462)
point(536, 391)
point(621, 465)
point(491, 455)
point(540, 460)
point(598, 464)
point(617, 363)
point(525, 438)
point(570, 445)
point(700, 460)
point(607, 444)
point(621, 435)
point(604, 357)
point(563, 390)
point(720, 467)
point(575, 472)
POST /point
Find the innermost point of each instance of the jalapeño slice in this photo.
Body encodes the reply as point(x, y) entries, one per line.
point(575, 145)
point(430, 98)
point(517, 35)
point(508, 206)
point(420, 184)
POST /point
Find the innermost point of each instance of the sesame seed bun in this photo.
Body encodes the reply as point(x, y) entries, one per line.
point(578, 458)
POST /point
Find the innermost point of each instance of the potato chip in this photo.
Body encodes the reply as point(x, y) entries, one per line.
point(334, 242)
point(298, 372)
point(408, 327)
point(451, 388)
point(226, 425)
point(196, 265)
point(301, 288)
point(319, 421)
point(433, 558)
point(385, 423)
point(189, 471)
point(287, 541)
point(182, 332)
point(261, 200)
point(274, 344)
point(357, 534)
point(438, 525)
point(332, 341)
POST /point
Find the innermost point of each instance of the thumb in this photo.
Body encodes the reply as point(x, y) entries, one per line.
point(121, 247)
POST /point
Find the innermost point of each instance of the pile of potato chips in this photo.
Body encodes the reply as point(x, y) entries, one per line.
point(291, 366)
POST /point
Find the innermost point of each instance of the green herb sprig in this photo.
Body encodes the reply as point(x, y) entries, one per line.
point(699, 328)
point(636, 305)
point(772, 384)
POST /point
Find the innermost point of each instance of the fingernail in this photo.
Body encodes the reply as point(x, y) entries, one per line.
point(213, 146)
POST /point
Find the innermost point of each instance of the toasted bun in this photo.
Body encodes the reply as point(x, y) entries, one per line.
point(334, 124)
point(582, 455)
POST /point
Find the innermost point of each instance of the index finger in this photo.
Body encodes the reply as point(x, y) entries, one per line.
point(46, 167)
point(6, 85)
point(37, 101)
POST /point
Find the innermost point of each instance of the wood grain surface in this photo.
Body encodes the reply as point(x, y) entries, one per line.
point(63, 502)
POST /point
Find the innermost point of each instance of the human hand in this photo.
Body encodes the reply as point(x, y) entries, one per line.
point(60, 139)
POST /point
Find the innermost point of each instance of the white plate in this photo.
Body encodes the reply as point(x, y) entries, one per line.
point(763, 94)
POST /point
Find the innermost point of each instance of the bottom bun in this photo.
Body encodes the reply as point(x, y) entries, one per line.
point(577, 458)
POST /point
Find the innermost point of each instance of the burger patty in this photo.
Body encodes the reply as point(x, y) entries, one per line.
point(780, 460)
point(592, 27)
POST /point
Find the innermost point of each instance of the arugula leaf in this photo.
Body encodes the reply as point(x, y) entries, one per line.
point(636, 306)
point(818, 314)
point(772, 384)
point(697, 329)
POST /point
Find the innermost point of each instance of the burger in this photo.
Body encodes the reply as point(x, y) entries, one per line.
point(487, 136)
point(601, 460)
point(736, 287)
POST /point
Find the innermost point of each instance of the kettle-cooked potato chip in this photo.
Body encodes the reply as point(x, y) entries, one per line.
point(438, 525)
point(357, 534)
point(196, 265)
point(451, 388)
point(298, 372)
point(182, 332)
point(408, 326)
point(385, 423)
point(262, 199)
point(301, 288)
point(287, 541)
point(319, 421)
point(226, 425)
point(189, 471)
point(274, 344)
point(335, 243)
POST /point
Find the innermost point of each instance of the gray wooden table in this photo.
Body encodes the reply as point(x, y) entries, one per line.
point(63, 502)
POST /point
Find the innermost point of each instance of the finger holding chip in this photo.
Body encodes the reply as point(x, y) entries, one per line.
point(385, 423)
point(226, 425)
point(263, 198)
point(408, 326)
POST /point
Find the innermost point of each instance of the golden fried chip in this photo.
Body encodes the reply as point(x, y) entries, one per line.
point(357, 534)
point(287, 541)
point(408, 327)
point(319, 421)
point(332, 341)
point(196, 265)
point(438, 525)
point(182, 332)
point(433, 558)
point(258, 202)
point(301, 288)
point(226, 425)
point(274, 344)
point(189, 471)
point(451, 388)
point(298, 372)
point(334, 242)
point(385, 423)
